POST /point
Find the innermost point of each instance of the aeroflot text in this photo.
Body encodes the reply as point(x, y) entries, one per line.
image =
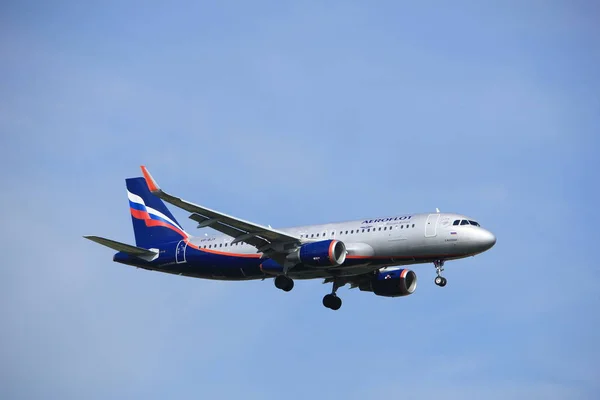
point(372, 221)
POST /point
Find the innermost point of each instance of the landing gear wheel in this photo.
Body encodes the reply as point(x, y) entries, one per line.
point(440, 281)
point(439, 267)
point(337, 304)
point(284, 283)
point(332, 302)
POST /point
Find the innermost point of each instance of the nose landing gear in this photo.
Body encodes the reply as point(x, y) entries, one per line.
point(439, 267)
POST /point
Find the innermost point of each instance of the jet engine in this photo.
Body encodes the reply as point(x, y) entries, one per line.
point(391, 283)
point(326, 253)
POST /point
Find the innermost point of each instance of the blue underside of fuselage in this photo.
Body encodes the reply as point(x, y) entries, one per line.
point(200, 264)
point(203, 264)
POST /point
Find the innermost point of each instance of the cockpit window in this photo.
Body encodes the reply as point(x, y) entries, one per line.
point(473, 223)
point(464, 222)
point(457, 222)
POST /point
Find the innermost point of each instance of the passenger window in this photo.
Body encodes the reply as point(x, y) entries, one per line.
point(352, 231)
point(368, 230)
point(456, 222)
point(225, 244)
point(221, 245)
point(379, 229)
point(464, 222)
point(332, 233)
point(413, 225)
point(346, 232)
point(312, 235)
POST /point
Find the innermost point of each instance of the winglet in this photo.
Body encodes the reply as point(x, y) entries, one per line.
point(152, 185)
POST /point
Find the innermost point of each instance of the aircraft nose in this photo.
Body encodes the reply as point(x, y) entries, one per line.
point(486, 239)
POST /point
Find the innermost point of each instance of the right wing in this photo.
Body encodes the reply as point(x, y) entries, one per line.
point(266, 239)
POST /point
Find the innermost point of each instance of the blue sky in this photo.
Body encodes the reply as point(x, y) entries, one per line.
point(290, 113)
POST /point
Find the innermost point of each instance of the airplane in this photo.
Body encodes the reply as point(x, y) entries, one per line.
point(368, 254)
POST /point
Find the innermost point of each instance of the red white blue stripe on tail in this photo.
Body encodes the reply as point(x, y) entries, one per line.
point(139, 210)
point(153, 223)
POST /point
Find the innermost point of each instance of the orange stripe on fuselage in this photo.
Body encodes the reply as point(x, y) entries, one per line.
point(427, 256)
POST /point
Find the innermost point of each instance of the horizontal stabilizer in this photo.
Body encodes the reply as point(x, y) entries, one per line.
point(125, 248)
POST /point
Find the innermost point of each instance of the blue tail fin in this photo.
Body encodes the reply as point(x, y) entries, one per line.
point(153, 223)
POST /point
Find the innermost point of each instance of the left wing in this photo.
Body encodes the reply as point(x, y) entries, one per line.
point(265, 239)
point(145, 254)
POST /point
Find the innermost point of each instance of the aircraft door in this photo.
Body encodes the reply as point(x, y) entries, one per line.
point(180, 252)
point(431, 225)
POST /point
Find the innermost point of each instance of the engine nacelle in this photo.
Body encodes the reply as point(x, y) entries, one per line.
point(326, 253)
point(391, 283)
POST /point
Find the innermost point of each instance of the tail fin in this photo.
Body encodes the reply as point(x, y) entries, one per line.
point(153, 223)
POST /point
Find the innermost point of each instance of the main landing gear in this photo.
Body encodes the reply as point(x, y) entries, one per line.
point(284, 283)
point(439, 267)
point(331, 300)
